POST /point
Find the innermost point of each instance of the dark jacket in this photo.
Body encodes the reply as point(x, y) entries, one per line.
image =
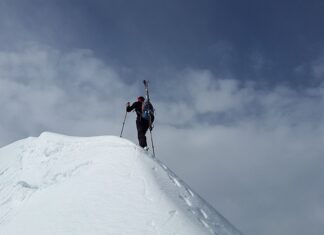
point(138, 109)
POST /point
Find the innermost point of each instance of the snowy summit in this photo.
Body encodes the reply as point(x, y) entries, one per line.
point(62, 185)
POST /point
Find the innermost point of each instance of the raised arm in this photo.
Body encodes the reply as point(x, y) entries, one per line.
point(130, 108)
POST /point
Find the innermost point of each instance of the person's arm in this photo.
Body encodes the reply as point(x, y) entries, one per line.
point(130, 108)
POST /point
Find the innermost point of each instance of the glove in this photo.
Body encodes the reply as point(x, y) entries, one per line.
point(127, 104)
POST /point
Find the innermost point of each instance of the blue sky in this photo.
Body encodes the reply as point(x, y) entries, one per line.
point(237, 86)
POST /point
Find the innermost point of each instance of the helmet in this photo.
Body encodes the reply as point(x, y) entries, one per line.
point(141, 98)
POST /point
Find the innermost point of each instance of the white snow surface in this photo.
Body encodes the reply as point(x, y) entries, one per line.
point(106, 185)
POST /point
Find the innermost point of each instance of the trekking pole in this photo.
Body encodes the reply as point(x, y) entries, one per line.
point(152, 143)
point(121, 133)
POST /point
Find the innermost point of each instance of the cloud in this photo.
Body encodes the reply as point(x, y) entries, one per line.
point(318, 68)
point(257, 60)
point(45, 89)
point(260, 162)
point(313, 69)
point(255, 154)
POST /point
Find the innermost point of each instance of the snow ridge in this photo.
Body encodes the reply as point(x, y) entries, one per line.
point(56, 184)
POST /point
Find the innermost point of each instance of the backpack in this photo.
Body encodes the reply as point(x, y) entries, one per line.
point(148, 111)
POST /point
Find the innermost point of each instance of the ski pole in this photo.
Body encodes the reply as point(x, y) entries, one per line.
point(150, 128)
point(152, 143)
point(121, 133)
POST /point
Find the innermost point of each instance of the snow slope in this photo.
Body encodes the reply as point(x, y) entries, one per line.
point(56, 184)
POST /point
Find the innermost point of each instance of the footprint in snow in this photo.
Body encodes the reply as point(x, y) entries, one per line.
point(203, 213)
point(174, 180)
point(203, 222)
point(4, 171)
point(24, 184)
point(164, 166)
point(186, 200)
point(172, 213)
point(190, 192)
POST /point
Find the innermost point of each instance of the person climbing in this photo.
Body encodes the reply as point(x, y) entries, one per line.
point(145, 117)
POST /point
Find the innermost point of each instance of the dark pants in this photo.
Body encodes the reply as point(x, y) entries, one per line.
point(142, 126)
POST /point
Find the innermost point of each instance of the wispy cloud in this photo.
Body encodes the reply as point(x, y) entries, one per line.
point(250, 151)
point(318, 67)
point(42, 88)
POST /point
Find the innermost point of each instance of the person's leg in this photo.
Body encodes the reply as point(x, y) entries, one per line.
point(145, 126)
point(141, 131)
